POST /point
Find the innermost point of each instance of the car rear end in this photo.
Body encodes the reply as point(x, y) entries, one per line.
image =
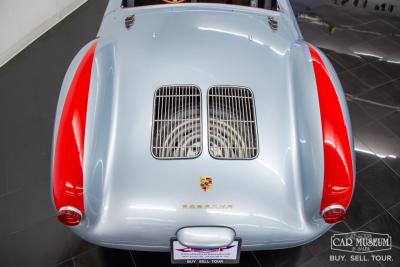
point(204, 124)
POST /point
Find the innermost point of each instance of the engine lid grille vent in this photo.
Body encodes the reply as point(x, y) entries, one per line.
point(232, 129)
point(177, 127)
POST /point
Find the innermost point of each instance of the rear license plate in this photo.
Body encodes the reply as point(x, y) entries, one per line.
point(225, 255)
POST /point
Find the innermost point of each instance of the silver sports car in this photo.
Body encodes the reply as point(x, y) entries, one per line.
point(204, 129)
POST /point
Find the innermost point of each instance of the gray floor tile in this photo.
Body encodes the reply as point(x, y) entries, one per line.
point(104, 257)
point(390, 69)
point(363, 208)
point(351, 84)
point(370, 76)
point(381, 182)
point(379, 27)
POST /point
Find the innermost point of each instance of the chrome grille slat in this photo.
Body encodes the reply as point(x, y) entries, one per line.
point(176, 131)
point(232, 126)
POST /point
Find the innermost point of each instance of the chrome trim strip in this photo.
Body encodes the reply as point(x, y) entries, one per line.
point(331, 207)
point(70, 208)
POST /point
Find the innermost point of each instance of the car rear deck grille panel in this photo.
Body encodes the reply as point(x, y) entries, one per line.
point(232, 127)
point(177, 127)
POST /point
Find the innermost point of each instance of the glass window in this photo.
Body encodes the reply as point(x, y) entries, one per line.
point(267, 4)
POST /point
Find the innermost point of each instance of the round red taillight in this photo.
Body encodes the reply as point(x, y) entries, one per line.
point(69, 216)
point(334, 214)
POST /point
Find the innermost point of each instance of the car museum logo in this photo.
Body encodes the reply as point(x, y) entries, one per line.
point(206, 183)
point(361, 242)
point(361, 247)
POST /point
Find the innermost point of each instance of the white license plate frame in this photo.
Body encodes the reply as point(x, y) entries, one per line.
point(226, 255)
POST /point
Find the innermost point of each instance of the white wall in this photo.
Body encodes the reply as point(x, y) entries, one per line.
point(22, 21)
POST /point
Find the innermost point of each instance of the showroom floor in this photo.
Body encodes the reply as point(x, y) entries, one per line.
point(365, 50)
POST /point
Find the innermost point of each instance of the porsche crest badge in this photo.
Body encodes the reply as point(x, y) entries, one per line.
point(206, 183)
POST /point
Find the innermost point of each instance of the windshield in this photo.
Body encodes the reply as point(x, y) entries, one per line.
point(267, 4)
